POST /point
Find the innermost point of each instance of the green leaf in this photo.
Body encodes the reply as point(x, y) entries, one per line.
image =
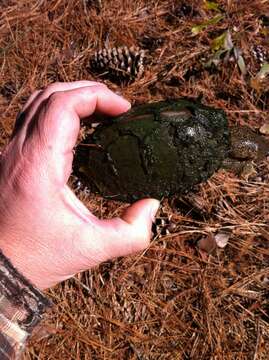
point(215, 59)
point(218, 42)
point(198, 28)
point(263, 72)
point(240, 60)
point(241, 64)
point(211, 5)
point(224, 41)
point(228, 42)
point(265, 32)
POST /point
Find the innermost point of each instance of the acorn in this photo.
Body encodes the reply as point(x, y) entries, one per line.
point(121, 64)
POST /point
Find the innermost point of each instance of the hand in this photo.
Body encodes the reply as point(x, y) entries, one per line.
point(46, 232)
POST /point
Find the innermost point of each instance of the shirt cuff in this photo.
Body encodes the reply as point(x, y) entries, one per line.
point(21, 309)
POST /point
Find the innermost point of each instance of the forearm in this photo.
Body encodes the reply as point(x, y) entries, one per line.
point(21, 309)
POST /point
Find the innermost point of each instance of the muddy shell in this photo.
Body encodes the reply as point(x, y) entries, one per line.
point(154, 150)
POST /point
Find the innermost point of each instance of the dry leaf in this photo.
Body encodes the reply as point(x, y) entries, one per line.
point(222, 239)
point(264, 129)
point(207, 243)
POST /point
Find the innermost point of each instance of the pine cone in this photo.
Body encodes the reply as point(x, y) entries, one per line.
point(260, 54)
point(119, 64)
point(163, 225)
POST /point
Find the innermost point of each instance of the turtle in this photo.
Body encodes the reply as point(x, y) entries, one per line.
point(160, 149)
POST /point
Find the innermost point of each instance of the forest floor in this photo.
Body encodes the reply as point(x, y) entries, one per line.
point(175, 300)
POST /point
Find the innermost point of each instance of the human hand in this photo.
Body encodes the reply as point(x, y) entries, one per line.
point(46, 232)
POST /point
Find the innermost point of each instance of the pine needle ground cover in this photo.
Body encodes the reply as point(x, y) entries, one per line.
point(177, 299)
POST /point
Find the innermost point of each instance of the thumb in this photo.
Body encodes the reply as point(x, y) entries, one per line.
point(131, 232)
point(141, 212)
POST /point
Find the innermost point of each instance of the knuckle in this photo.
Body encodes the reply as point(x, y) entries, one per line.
point(54, 99)
point(36, 92)
point(52, 87)
point(33, 95)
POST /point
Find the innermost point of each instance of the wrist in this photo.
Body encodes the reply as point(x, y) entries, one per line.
point(18, 256)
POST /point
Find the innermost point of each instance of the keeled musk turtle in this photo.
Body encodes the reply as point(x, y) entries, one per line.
point(154, 150)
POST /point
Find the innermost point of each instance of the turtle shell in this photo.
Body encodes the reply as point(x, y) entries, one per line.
point(154, 150)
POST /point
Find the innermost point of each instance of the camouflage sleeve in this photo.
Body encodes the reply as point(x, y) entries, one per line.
point(21, 309)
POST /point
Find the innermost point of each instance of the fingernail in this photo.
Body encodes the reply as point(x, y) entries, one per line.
point(126, 102)
point(154, 208)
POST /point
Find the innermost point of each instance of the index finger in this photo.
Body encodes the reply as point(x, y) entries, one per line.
point(40, 96)
point(56, 127)
point(60, 118)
